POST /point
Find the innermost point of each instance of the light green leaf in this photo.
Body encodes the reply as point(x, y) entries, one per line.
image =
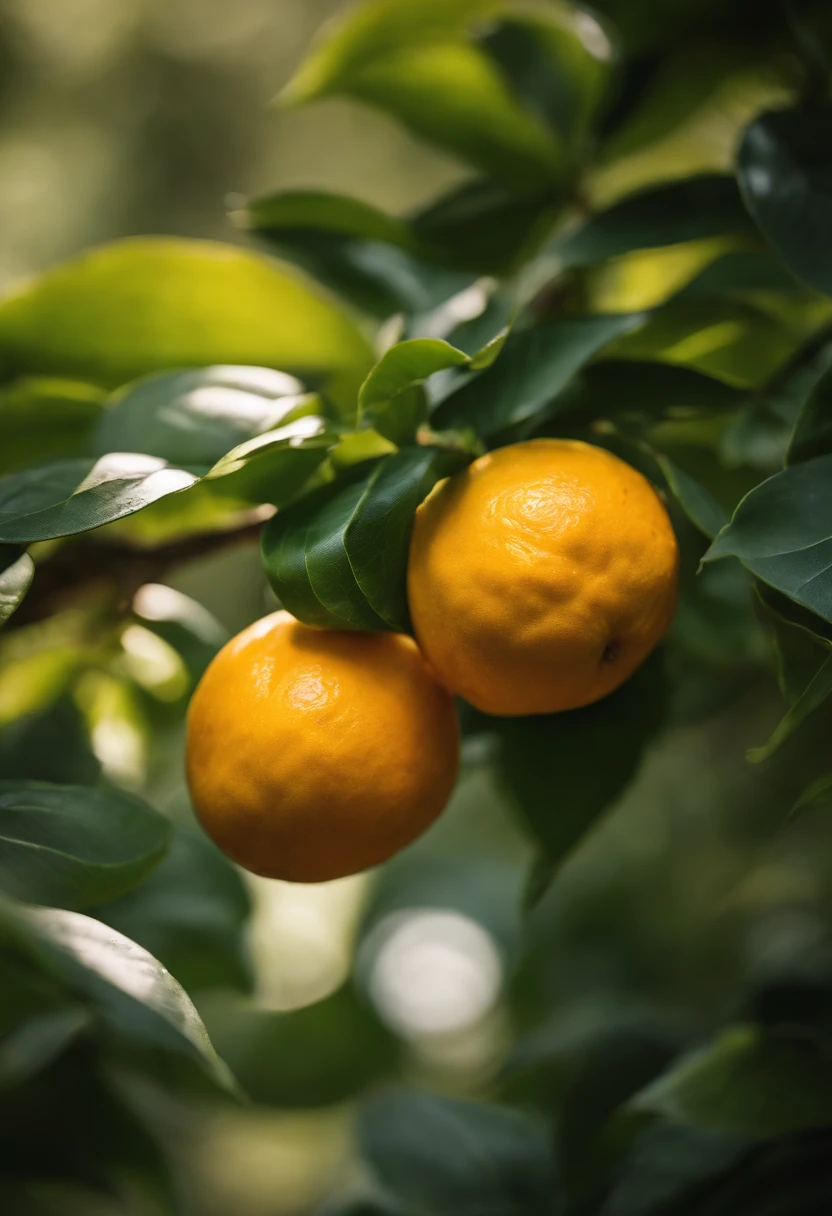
point(746, 1082)
point(17, 571)
point(782, 532)
point(194, 417)
point(42, 419)
point(387, 396)
point(275, 466)
point(338, 558)
point(533, 368)
point(73, 847)
point(786, 179)
point(148, 304)
point(411, 59)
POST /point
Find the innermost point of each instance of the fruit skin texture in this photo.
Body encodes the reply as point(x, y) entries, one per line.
point(541, 577)
point(312, 754)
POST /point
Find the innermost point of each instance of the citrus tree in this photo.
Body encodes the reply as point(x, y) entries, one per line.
point(639, 258)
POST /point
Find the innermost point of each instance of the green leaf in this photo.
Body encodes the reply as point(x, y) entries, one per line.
point(142, 1006)
point(800, 645)
point(722, 336)
point(410, 59)
point(387, 398)
point(533, 368)
point(671, 1164)
point(63, 497)
point(362, 254)
point(148, 304)
point(483, 227)
point(746, 1082)
point(563, 770)
point(338, 559)
point(35, 1043)
point(703, 510)
point(668, 214)
point(786, 180)
point(452, 1158)
point(192, 914)
point(16, 573)
point(320, 1055)
point(73, 847)
point(811, 699)
point(744, 272)
point(182, 623)
point(782, 532)
point(819, 793)
point(194, 417)
point(812, 435)
point(41, 419)
point(274, 467)
point(558, 62)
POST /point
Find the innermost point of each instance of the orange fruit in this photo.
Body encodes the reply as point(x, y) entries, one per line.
point(541, 576)
point(312, 754)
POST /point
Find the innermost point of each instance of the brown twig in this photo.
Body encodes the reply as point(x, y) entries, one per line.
point(94, 570)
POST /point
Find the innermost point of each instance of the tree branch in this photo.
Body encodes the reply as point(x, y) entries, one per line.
point(87, 569)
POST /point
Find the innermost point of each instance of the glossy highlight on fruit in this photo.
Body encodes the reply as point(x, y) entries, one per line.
point(541, 577)
point(313, 754)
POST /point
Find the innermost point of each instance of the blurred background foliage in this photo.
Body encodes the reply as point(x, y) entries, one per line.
point(690, 903)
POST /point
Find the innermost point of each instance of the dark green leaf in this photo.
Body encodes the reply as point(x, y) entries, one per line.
point(193, 418)
point(800, 646)
point(533, 368)
point(558, 63)
point(390, 395)
point(191, 914)
point(812, 434)
point(748, 1083)
point(317, 1056)
point(786, 179)
point(141, 1005)
point(411, 59)
point(811, 699)
point(144, 305)
point(35, 1043)
point(363, 254)
point(819, 793)
point(782, 532)
point(742, 273)
point(68, 496)
point(451, 1158)
point(42, 419)
point(73, 847)
point(339, 558)
point(484, 228)
point(670, 214)
point(563, 770)
point(670, 1164)
point(16, 573)
point(50, 744)
point(703, 510)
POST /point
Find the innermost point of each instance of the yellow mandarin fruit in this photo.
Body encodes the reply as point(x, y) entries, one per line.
point(313, 754)
point(541, 576)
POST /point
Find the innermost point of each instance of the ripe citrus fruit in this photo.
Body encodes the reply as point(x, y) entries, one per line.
point(313, 754)
point(541, 576)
